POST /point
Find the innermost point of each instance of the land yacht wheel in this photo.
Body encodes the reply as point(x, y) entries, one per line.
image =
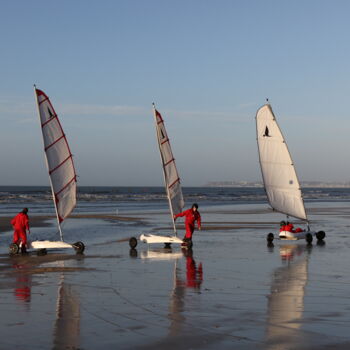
point(132, 242)
point(41, 252)
point(79, 247)
point(14, 249)
point(270, 237)
point(167, 245)
point(308, 238)
point(320, 235)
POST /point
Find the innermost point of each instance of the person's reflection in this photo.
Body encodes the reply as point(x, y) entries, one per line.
point(194, 279)
point(194, 274)
point(22, 290)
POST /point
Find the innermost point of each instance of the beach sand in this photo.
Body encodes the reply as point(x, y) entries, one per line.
point(232, 292)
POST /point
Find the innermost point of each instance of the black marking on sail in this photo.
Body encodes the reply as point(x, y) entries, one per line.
point(49, 110)
point(291, 182)
point(266, 134)
point(161, 131)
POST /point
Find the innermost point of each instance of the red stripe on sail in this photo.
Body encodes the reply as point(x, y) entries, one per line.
point(49, 120)
point(177, 180)
point(170, 161)
point(65, 186)
point(45, 99)
point(159, 115)
point(60, 138)
point(59, 165)
point(167, 140)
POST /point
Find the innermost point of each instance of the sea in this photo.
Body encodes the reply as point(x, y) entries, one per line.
point(118, 200)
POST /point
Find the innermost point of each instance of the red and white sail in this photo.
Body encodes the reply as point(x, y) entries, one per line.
point(59, 158)
point(171, 176)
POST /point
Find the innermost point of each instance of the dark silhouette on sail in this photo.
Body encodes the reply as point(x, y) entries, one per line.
point(49, 110)
point(266, 132)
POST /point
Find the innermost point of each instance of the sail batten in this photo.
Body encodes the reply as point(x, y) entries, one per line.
point(59, 159)
point(279, 176)
point(171, 176)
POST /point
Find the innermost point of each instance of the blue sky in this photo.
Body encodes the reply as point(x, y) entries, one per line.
point(208, 66)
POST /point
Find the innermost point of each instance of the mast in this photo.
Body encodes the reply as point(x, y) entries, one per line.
point(163, 169)
point(48, 169)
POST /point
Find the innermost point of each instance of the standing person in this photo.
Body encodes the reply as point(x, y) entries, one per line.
point(20, 224)
point(192, 215)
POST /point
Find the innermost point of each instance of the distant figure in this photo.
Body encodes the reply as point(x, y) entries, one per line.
point(20, 224)
point(192, 215)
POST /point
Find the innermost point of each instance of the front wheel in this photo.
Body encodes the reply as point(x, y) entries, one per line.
point(270, 237)
point(132, 242)
point(79, 247)
point(14, 249)
point(41, 252)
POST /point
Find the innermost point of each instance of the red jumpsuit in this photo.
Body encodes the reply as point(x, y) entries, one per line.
point(191, 218)
point(20, 223)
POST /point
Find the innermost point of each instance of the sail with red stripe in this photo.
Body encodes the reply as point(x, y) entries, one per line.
point(171, 176)
point(59, 158)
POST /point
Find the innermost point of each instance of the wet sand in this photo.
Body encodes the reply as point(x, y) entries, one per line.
point(231, 292)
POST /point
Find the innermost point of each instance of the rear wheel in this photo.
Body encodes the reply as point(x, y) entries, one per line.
point(320, 235)
point(308, 238)
point(14, 249)
point(270, 237)
point(132, 242)
point(79, 247)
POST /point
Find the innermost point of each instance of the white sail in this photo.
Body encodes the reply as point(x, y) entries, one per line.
point(278, 172)
point(59, 158)
point(171, 176)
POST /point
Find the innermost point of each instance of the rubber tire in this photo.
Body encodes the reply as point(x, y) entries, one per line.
point(320, 235)
point(41, 252)
point(308, 238)
point(79, 247)
point(270, 237)
point(14, 249)
point(133, 242)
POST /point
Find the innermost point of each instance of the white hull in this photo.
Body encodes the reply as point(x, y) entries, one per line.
point(49, 245)
point(294, 236)
point(149, 238)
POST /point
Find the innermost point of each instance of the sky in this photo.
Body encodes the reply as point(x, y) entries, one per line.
point(207, 65)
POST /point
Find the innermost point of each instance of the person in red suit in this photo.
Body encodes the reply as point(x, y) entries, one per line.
point(191, 216)
point(20, 224)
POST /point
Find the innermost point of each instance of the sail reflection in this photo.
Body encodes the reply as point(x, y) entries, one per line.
point(286, 300)
point(67, 326)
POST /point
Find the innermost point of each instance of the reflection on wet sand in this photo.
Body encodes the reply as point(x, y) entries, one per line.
point(194, 279)
point(286, 300)
point(23, 285)
point(66, 333)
